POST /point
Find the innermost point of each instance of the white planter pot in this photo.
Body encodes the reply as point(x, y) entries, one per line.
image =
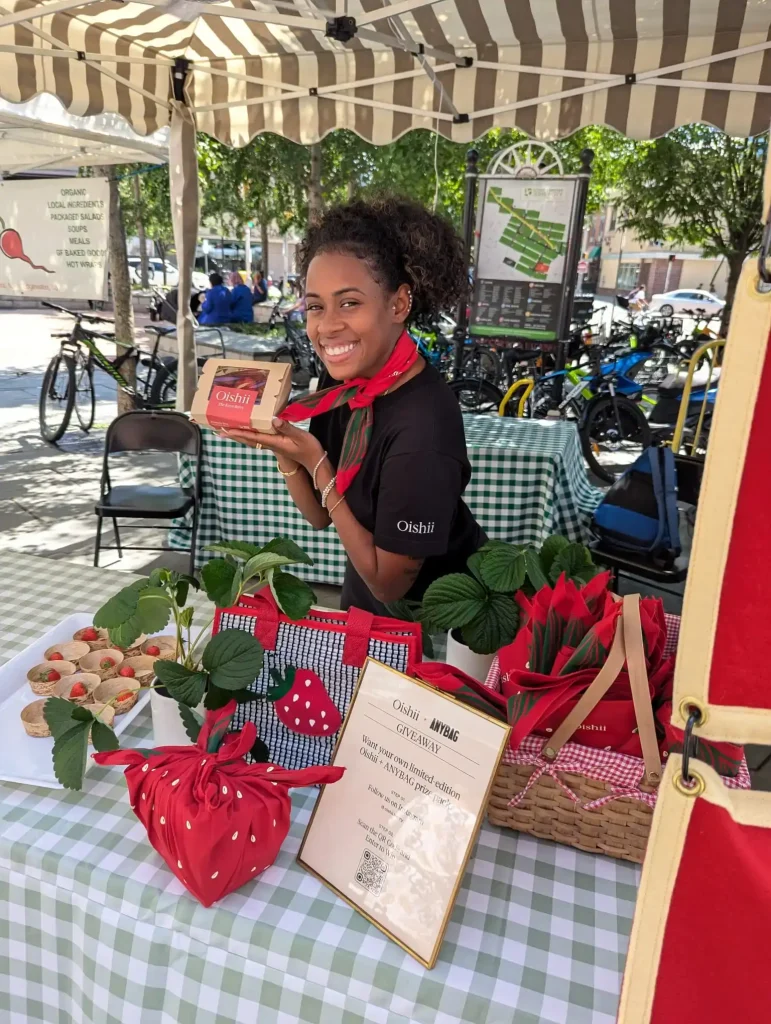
point(168, 729)
point(462, 657)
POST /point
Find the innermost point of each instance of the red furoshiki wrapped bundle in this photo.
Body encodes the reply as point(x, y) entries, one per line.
point(216, 820)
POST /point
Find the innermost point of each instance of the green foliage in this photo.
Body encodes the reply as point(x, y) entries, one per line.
point(481, 606)
point(412, 611)
point(232, 659)
point(192, 723)
point(291, 593)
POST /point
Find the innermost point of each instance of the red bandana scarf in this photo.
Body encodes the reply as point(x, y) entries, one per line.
point(359, 393)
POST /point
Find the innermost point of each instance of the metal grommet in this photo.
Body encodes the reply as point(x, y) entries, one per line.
point(694, 789)
point(687, 704)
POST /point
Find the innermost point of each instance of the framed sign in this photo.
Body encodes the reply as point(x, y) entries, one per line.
point(524, 229)
point(394, 835)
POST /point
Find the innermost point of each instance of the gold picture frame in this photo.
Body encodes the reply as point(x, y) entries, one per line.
point(329, 793)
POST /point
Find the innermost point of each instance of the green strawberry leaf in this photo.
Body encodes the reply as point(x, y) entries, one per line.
point(216, 698)
point(259, 752)
point(103, 737)
point(503, 568)
point(118, 609)
point(219, 578)
point(262, 562)
point(453, 601)
point(183, 684)
point(239, 548)
point(127, 633)
point(550, 548)
point(573, 559)
point(289, 549)
point(69, 756)
point(233, 659)
point(293, 595)
point(535, 572)
point(474, 564)
point(81, 714)
point(180, 593)
point(186, 617)
point(192, 723)
point(493, 627)
point(58, 715)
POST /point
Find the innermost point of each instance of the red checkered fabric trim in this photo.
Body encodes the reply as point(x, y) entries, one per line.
point(622, 772)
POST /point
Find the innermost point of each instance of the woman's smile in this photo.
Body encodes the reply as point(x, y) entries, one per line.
point(336, 352)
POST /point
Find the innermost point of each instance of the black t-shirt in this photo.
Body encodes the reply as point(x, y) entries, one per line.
point(407, 493)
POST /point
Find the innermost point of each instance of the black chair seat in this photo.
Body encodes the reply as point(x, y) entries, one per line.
point(163, 502)
point(625, 561)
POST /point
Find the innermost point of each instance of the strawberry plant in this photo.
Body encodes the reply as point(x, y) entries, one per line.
point(479, 605)
point(210, 669)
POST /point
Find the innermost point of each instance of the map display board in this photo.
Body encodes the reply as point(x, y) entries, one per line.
point(523, 237)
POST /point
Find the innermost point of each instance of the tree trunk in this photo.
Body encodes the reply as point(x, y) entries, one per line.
point(735, 263)
point(315, 200)
point(265, 245)
point(121, 288)
point(144, 265)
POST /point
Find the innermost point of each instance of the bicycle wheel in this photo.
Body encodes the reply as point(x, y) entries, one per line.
point(163, 389)
point(615, 431)
point(57, 396)
point(476, 395)
point(85, 398)
point(481, 362)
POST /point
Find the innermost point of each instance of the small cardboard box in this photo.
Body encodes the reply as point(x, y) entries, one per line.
point(236, 393)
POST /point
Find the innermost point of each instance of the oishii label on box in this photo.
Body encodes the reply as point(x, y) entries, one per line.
point(233, 394)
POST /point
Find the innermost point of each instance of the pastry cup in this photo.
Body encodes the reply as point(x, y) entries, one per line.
point(64, 668)
point(143, 668)
point(91, 662)
point(33, 721)
point(72, 651)
point(89, 679)
point(109, 689)
point(105, 712)
point(167, 645)
point(94, 645)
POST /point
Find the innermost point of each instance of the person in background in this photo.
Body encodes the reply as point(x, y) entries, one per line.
point(241, 311)
point(637, 299)
point(216, 305)
point(260, 289)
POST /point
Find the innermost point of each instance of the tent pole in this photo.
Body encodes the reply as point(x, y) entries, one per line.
point(571, 262)
point(469, 218)
point(183, 179)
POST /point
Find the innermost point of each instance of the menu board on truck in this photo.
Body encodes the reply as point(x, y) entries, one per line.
point(53, 238)
point(523, 236)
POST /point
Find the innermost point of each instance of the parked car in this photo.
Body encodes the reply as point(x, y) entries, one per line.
point(686, 299)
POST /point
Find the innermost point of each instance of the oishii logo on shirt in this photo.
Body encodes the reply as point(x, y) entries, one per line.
point(405, 526)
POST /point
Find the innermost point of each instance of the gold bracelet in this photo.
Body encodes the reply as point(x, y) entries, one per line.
point(315, 471)
point(339, 500)
point(286, 475)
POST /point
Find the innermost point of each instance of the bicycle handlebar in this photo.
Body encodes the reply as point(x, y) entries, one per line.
point(77, 315)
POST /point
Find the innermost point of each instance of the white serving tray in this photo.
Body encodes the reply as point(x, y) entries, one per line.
point(27, 759)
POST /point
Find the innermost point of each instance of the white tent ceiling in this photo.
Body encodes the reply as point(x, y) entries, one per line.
point(41, 136)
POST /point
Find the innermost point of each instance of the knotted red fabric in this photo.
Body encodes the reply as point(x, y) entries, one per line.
point(217, 821)
point(359, 393)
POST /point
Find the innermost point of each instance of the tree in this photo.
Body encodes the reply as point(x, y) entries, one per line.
point(701, 187)
point(120, 283)
point(149, 205)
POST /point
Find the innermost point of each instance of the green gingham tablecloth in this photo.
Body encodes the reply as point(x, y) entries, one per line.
point(94, 929)
point(528, 480)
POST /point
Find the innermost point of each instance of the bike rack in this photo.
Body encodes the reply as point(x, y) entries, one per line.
point(698, 355)
point(528, 383)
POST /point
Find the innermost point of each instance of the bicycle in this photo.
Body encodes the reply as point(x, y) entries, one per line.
point(68, 382)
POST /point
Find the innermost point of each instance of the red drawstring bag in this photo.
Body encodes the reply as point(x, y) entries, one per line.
point(216, 820)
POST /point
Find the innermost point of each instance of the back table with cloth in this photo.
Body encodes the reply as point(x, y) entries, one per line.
point(528, 481)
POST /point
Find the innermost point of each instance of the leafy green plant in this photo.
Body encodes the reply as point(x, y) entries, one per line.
point(214, 669)
point(480, 605)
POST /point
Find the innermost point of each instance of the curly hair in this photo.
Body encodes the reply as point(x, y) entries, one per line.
point(402, 243)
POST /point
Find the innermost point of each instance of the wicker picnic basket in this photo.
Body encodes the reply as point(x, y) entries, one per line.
point(595, 800)
point(572, 794)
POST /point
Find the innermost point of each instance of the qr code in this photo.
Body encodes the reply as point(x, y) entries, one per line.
point(371, 872)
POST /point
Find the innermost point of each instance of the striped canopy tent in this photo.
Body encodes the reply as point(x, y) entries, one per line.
point(302, 68)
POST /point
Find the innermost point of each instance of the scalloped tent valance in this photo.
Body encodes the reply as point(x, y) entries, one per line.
point(302, 68)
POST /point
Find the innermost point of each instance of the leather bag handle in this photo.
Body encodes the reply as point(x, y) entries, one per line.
point(627, 647)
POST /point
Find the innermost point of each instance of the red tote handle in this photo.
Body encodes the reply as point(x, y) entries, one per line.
point(358, 630)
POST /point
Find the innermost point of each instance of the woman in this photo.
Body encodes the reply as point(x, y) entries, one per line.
point(260, 289)
point(393, 494)
point(216, 305)
point(241, 311)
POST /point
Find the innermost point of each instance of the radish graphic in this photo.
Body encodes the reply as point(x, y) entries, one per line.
point(12, 246)
point(302, 703)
